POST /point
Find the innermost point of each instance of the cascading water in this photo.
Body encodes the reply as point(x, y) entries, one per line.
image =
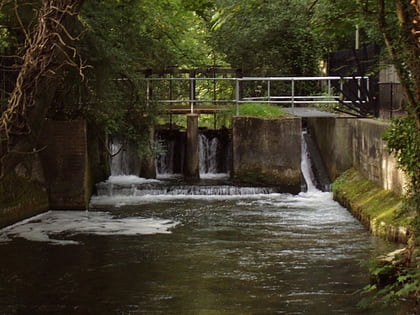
point(214, 152)
point(124, 160)
point(209, 153)
point(306, 166)
point(165, 163)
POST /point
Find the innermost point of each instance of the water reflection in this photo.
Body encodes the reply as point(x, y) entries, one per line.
point(255, 254)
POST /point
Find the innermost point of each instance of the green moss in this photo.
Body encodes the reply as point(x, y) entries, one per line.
point(373, 205)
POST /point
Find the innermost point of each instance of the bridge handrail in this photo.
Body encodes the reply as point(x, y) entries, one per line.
point(289, 99)
point(298, 78)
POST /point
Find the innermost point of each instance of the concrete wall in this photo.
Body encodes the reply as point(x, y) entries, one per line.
point(347, 142)
point(23, 193)
point(334, 139)
point(65, 164)
point(267, 152)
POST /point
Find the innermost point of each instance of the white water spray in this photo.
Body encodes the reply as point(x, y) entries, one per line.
point(306, 167)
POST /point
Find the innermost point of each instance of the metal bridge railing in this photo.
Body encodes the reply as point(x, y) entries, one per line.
point(331, 95)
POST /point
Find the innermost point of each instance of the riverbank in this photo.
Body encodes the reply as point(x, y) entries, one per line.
point(395, 275)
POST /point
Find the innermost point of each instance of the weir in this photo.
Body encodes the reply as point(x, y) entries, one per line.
point(214, 153)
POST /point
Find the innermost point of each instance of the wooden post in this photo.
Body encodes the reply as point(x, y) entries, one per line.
point(191, 161)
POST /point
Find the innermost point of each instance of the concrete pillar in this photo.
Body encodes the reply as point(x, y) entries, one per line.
point(191, 161)
point(148, 159)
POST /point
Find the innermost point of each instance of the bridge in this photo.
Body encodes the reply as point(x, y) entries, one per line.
point(209, 95)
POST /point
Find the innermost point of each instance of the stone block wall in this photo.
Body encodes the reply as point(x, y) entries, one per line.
point(371, 157)
point(347, 142)
point(334, 137)
point(268, 151)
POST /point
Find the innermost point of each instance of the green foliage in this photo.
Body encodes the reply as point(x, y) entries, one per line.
point(392, 286)
point(4, 38)
point(260, 110)
point(121, 38)
point(334, 25)
point(266, 38)
point(403, 141)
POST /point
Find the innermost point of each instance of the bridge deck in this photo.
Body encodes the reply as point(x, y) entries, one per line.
point(197, 109)
point(308, 112)
point(294, 111)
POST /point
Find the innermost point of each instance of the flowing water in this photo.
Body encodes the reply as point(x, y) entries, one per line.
point(163, 247)
point(142, 250)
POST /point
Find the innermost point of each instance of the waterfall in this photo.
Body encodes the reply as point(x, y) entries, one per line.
point(214, 152)
point(208, 154)
point(165, 160)
point(306, 167)
point(312, 166)
point(125, 159)
point(118, 159)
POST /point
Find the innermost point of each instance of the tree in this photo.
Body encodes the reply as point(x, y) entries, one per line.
point(121, 38)
point(266, 37)
point(46, 51)
point(402, 42)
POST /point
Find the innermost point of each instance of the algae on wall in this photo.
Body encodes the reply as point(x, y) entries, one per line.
point(374, 206)
point(20, 198)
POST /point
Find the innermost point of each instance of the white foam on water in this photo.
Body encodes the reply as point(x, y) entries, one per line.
point(120, 200)
point(42, 228)
point(129, 179)
point(220, 176)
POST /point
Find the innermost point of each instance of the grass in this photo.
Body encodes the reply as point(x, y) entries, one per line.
point(224, 118)
point(261, 110)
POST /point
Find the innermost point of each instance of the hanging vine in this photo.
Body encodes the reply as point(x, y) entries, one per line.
point(47, 50)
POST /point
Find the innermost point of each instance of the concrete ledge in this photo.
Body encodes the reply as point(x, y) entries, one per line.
point(268, 152)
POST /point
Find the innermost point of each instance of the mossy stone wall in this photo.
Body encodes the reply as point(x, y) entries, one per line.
point(375, 207)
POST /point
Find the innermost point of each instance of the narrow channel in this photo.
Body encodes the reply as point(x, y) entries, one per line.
point(163, 247)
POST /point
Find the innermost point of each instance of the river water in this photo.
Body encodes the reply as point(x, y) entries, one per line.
point(147, 248)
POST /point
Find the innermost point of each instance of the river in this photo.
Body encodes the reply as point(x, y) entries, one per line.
point(149, 247)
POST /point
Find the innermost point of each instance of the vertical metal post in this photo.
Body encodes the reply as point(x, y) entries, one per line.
point(268, 89)
point(341, 89)
point(147, 92)
point(192, 94)
point(329, 88)
point(237, 96)
point(367, 88)
point(293, 93)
